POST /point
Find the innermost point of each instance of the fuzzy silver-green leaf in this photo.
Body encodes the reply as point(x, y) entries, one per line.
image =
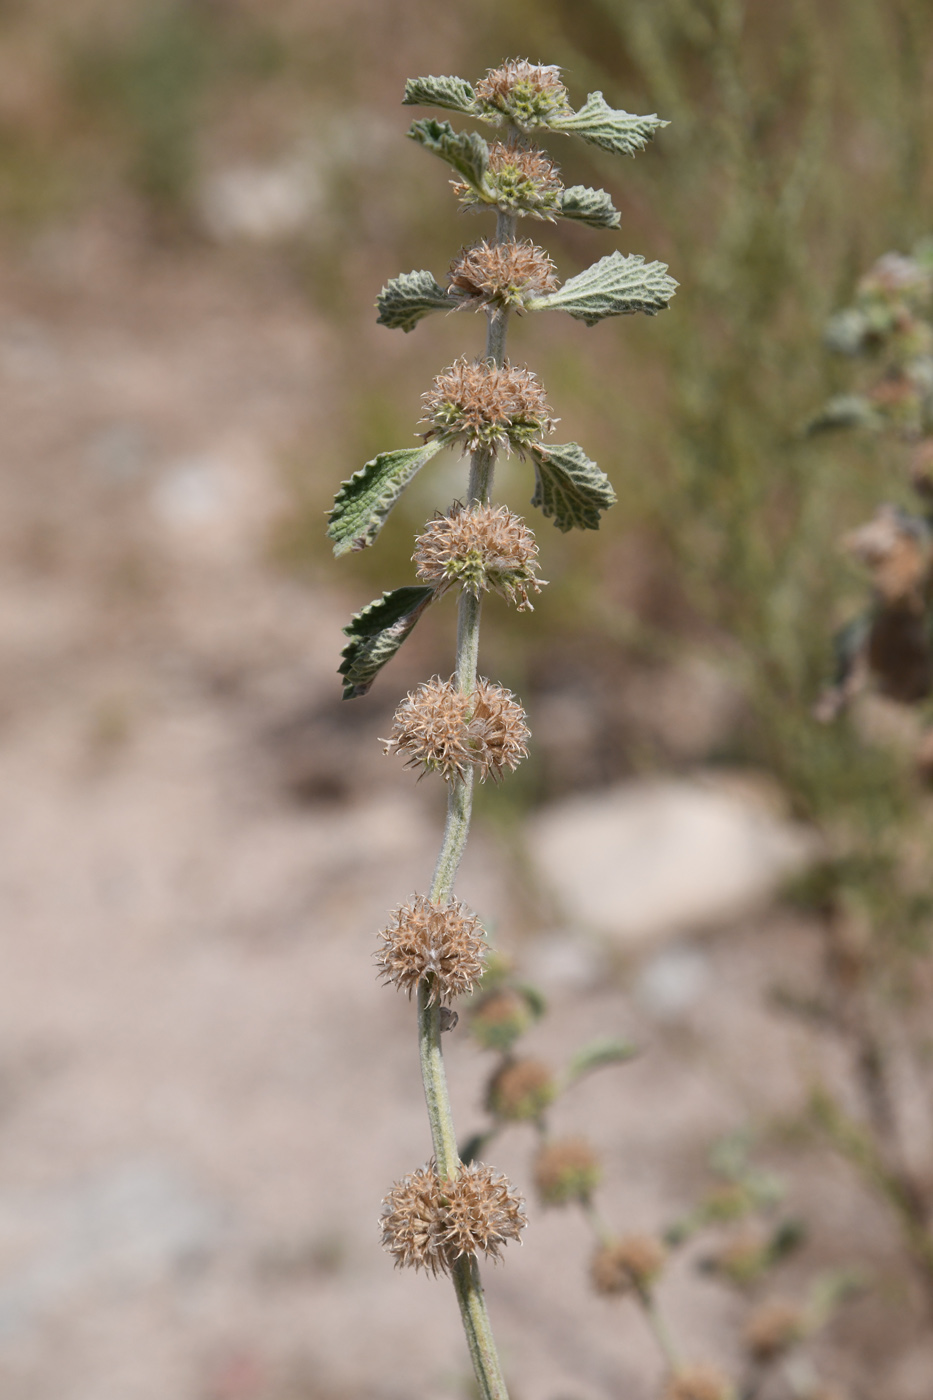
point(376, 634)
point(406, 299)
point(569, 487)
point(592, 207)
point(465, 151)
point(455, 94)
point(362, 503)
point(846, 411)
point(617, 285)
point(609, 128)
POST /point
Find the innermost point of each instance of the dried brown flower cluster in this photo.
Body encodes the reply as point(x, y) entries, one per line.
point(897, 549)
point(481, 404)
point(630, 1263)
point(441, 942)
point(773, 1328)
point(699, 1383)
point(518, 179)
point(486, 547)
point(449, 732)
point(429, 1224)
point(527, 93)
point(521, 1090)
point(566, 1170)
point(501, 274)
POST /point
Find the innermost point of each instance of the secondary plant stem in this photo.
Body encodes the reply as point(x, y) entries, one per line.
point(459, 809)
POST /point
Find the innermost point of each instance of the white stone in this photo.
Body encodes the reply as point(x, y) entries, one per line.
point(653, 858)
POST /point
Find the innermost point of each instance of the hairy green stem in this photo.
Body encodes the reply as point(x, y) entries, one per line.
point(479, 1336)
point(459, 809)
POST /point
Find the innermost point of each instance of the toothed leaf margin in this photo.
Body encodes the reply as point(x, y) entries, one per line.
point(569, 487)
point(376, 634)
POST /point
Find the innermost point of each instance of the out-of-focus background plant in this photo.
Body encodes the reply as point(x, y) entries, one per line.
point(198, 204)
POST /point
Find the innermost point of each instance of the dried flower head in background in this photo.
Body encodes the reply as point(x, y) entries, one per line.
point(428, 1223)
point(449, 732)
point(774, 1328)
point(632, 1262)
point(501, 274)
point(443, 942)
point(480, 404)
point(521, 1090)
point(528, 94)
point(896, 547)
point(501, 1017)
point(699, 1383)
point(566, 1170)
point(517, 178)
point(487, 547)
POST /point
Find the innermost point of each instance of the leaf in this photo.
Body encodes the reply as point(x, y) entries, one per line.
point(593, 207)
point(570, 487)
point(614, 286)
point(376, 634)
point(362, 503)
point(846, 411)
point(597, 1054)
point(453, 93)
point(607, 127)
point(465, 151)
point(403, 301)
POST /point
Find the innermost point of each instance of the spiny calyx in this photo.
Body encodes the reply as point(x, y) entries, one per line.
point(484, 405)
point(429, 1222)
point(501, 274)
point(484, 548)
point(443, 944)
point(449, 732)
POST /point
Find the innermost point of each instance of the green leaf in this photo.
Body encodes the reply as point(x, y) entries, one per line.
point(465, 151)
point(614, 286)
point(846, 411)
point(570, 487)
point(607, 127)
point(362, 503)
point(376, 634)
point(593, 207)
point(597, 1054)
point(453, 93)
point(403, 301)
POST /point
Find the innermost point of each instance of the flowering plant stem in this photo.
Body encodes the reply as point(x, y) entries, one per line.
point(459, 809)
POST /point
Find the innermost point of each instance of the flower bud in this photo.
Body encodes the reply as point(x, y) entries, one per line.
point(526, 94)
point(519, 180)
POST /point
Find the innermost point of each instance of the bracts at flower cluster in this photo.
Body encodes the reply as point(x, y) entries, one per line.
point(442, 1216)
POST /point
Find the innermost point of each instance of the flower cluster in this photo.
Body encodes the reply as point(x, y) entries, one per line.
point(566, 1170)
point(527, 94)
point(430, 1223)
point(483, 405)
point(521, 1090)
point(699, 1383)
point(519, 180)
point(632, 1262)
point(501, 274)
point(443, 943)
point(486, 547)
point(449, 732)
